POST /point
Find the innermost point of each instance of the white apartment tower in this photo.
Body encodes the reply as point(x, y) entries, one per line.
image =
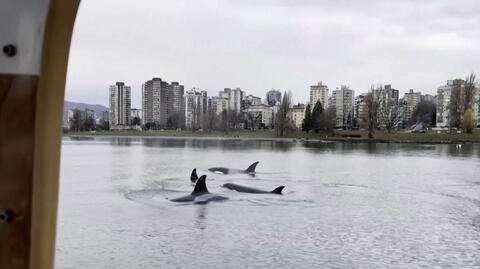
point(411, 100)
point(319, 92)
point(235, 97)
point(444, 93)
point(120, 101)
point(219, 104)
point(196, 106)
point(343, 100)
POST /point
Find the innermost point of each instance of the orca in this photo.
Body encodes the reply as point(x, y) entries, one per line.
point(241, 188)
point(200, 194)
point(194, 176)
point(223, 170)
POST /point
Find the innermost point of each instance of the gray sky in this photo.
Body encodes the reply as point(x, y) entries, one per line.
point(262, 44)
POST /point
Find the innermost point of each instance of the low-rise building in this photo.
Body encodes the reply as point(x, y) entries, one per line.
point(260, 116)
point(251, 100)
point(297, 114)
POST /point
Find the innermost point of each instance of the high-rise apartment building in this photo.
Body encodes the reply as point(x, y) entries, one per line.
point(343, 100)
point(155, 93)
point(176, 102)
point(219, 104)
point(361, 111)
point(196, 106)
point(443, 97)
point(120, 101)
point(235, 97)
point(391, 94)
point(319, 92)
point(411, 100)
point(428, 98)
point(388, 106)
point(443, 101)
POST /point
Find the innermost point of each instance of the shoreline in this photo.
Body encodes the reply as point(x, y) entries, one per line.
point(414, 138)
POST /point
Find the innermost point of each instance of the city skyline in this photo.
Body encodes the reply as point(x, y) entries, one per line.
point(167, 105)
point(284, 45)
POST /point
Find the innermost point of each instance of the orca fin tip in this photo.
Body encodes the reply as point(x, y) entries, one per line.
point(278, 190)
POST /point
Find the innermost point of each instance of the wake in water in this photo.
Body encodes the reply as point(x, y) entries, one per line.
point(161, 198)
point(235, 194)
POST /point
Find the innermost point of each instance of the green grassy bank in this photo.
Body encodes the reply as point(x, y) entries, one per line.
point(339, 135)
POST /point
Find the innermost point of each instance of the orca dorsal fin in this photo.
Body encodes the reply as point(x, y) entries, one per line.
point(251, 168)
point(201, 186)
point(194, 176)
point(278, 190)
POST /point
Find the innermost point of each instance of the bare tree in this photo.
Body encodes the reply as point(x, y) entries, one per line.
point(371, 101)
point(283, 124)
point(210, 119)
point(456, 105)
point(234, 119)
point(195, 116)
point(250, 121)
point(469, 94)
point(224, 121)
point(462, 98)
point(391, 117)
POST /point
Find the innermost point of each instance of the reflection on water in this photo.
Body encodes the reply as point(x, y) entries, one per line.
point(345, 205)
point(463, 150)
point(201, 216)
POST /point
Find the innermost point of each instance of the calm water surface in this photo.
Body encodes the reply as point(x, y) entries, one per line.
point(344, 206)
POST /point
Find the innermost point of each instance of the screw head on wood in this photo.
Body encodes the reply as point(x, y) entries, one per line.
point(7, 216)
point(10, 50)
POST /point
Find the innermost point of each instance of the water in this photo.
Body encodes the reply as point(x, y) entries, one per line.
point(345, 205)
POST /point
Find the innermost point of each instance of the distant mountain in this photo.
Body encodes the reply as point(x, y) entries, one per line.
point(73, 105)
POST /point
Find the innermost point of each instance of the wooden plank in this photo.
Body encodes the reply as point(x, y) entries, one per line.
point(48, 130)
point(17, 125)
point(31, 110)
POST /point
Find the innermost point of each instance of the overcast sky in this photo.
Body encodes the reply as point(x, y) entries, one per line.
point(284, 44)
